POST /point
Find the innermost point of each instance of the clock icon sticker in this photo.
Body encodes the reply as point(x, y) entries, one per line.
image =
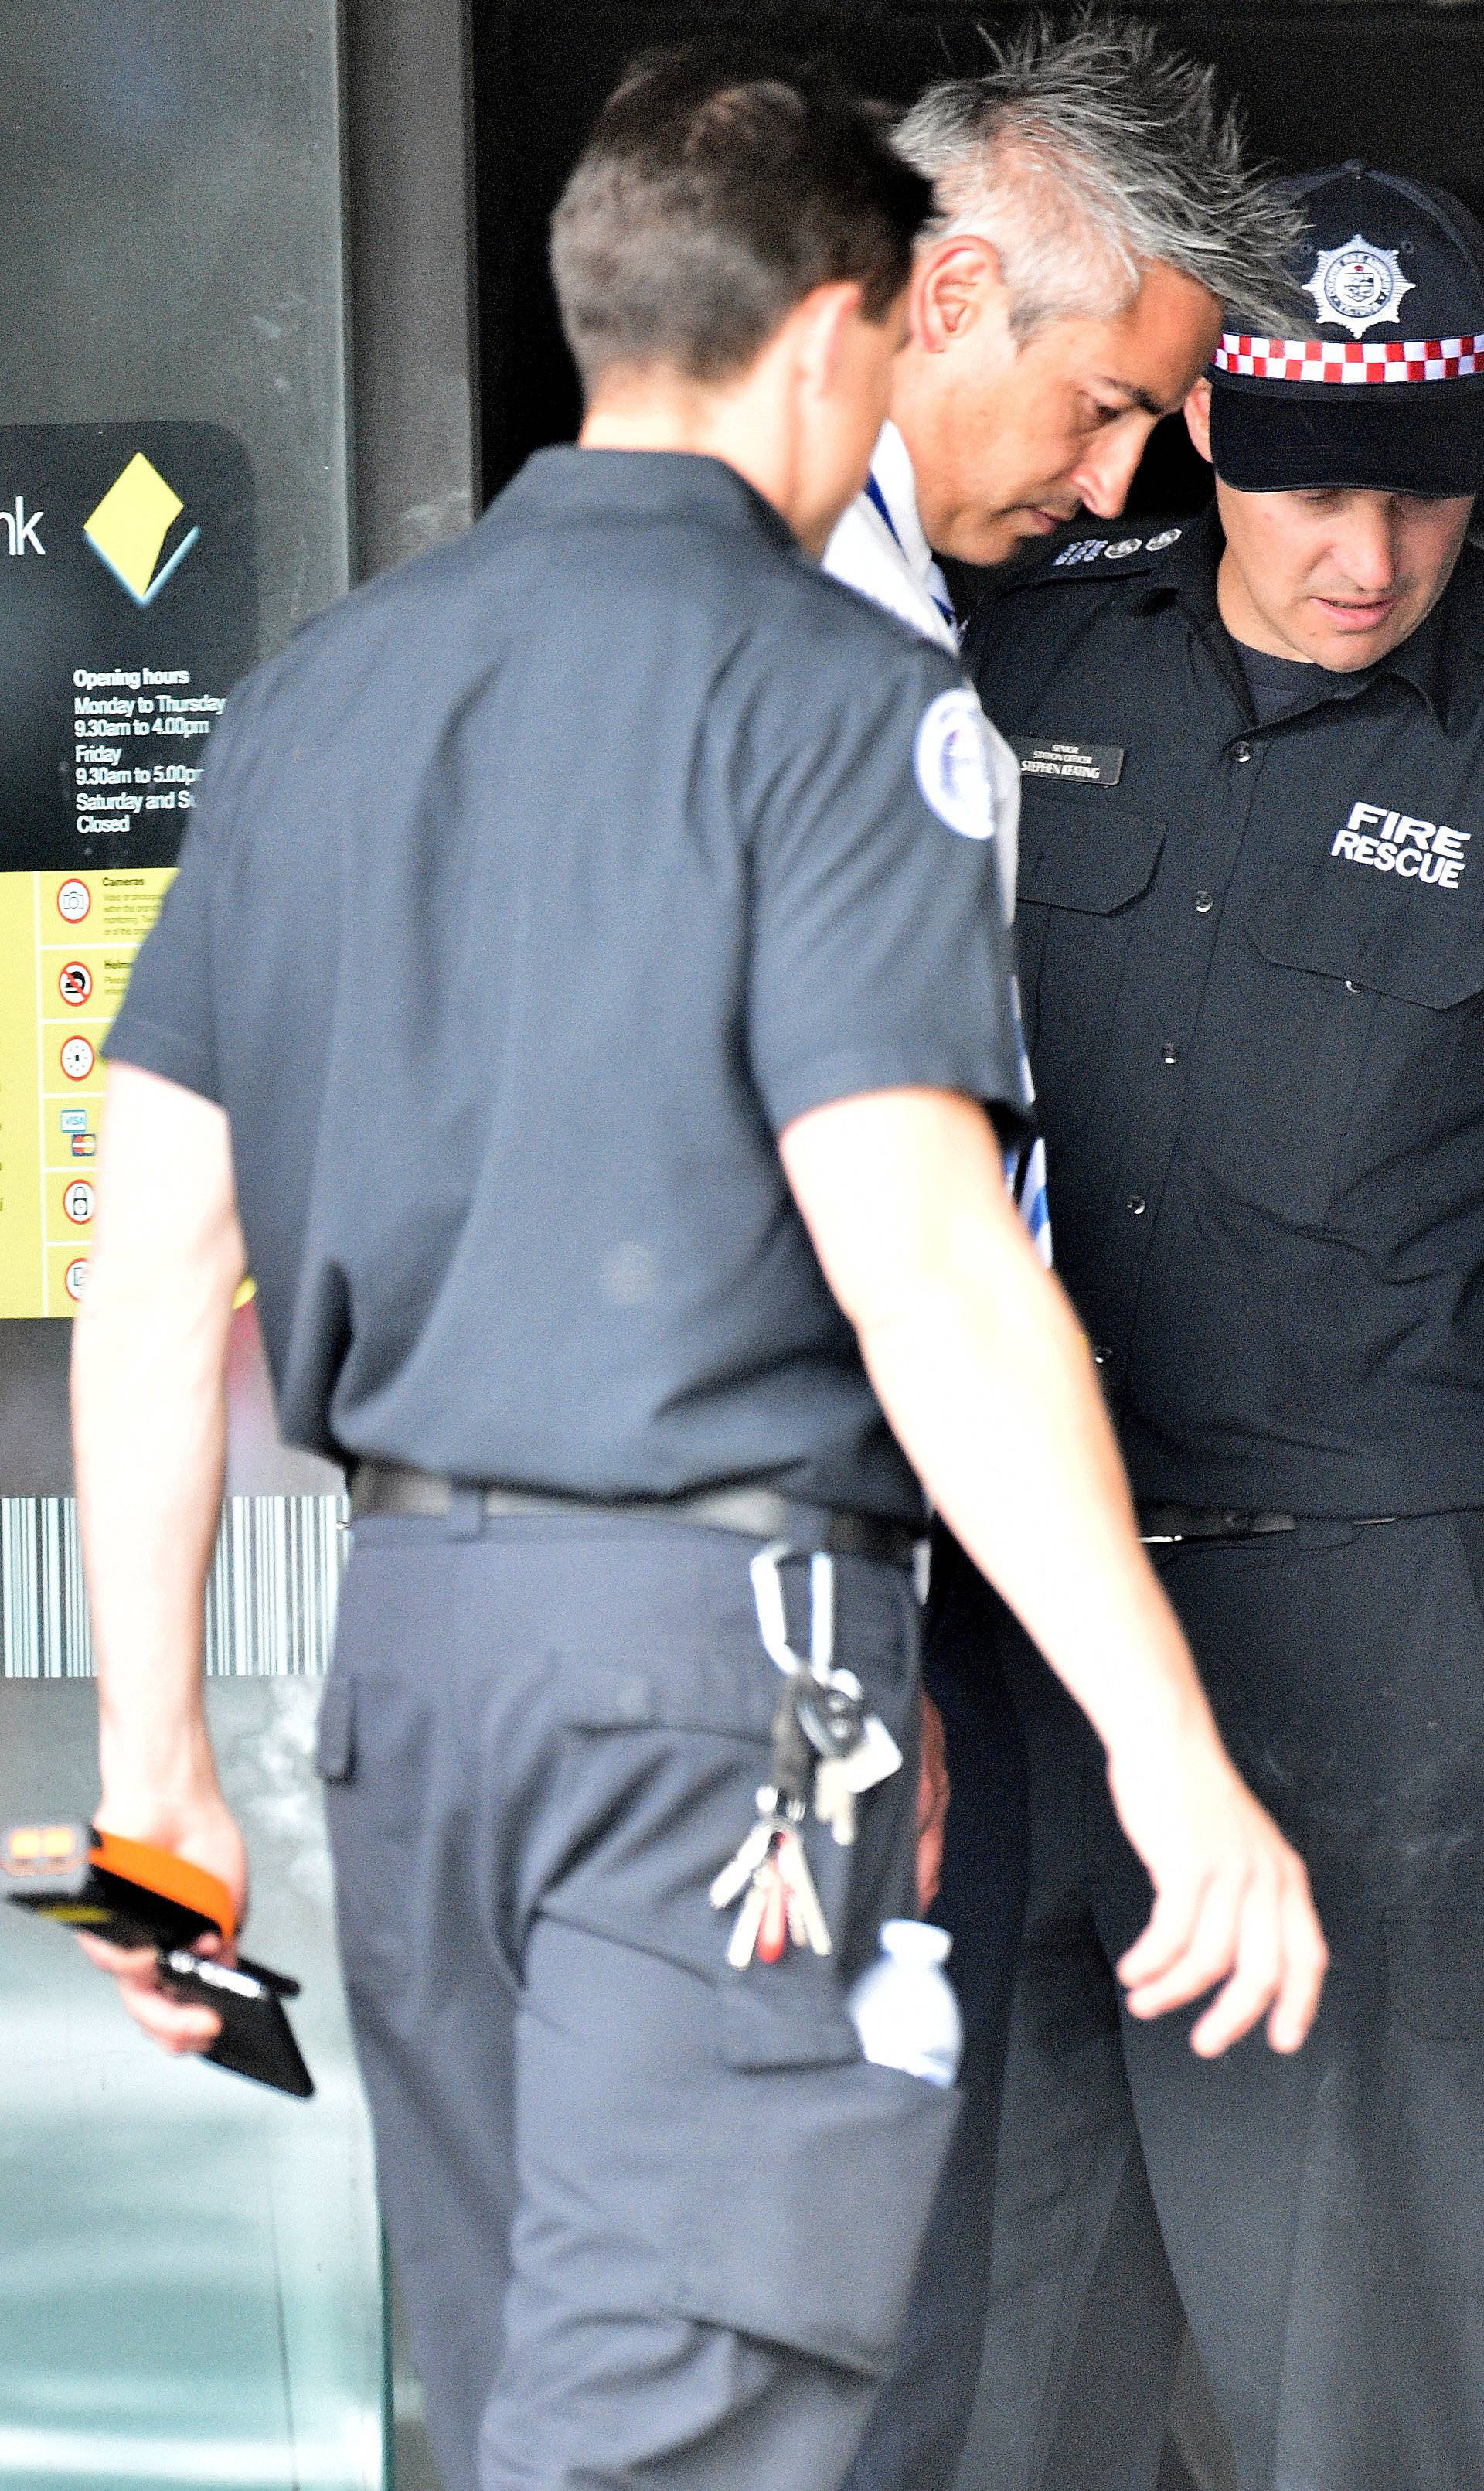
point(77, 1058)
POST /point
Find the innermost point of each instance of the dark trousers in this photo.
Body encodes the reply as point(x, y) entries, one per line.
point(655, 2221)
point(918, 2426)
point(1321, 2219)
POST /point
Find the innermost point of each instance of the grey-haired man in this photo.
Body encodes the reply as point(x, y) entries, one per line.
point(1095, 213)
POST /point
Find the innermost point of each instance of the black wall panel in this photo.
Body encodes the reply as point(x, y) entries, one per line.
point(1402, 85)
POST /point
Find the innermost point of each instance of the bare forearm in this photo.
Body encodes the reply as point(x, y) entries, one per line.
point(983, 1371)
point(149, 1438)
point(149, 1427)
point(149, 1415)
point(993, 1394)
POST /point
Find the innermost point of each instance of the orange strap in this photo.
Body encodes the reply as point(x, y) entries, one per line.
point(164, 1872)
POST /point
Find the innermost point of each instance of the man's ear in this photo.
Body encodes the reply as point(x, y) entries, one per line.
point(956, 283)
point(819, 324)
point(1198, 418)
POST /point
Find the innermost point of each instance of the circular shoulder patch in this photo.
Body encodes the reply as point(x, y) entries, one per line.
point(953, 766)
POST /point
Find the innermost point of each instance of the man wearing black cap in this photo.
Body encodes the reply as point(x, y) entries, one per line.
point(1252, 963)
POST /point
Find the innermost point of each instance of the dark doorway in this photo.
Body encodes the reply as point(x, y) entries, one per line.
point(1397, 84)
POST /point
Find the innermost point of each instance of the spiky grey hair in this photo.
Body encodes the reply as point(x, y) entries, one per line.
point(1091, 153)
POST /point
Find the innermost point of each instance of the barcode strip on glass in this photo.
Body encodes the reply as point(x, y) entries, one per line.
point(270, 1603)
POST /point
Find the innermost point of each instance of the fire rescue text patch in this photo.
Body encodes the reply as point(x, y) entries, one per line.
point(1399, 843)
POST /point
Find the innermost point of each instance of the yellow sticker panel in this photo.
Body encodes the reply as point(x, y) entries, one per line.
point(67, 943)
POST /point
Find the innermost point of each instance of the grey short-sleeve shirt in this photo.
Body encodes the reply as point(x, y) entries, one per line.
point(533, 891)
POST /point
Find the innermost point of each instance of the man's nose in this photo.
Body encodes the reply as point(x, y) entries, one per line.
point(1364, 550)
point(1106, 470)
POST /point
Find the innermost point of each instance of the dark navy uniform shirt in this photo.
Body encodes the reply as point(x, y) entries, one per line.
point(533, 891)
point(1252, 965)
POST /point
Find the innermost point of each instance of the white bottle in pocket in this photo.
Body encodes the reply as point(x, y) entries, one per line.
point(902, 2005)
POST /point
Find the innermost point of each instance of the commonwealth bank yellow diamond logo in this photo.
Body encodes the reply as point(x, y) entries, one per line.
point(128, 528)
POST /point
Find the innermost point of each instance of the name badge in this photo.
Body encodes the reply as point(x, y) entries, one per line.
point(1091, 765)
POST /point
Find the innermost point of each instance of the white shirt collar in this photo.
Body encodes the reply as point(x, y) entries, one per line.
point(890, 561)
point(897, 486)
point(892, 477)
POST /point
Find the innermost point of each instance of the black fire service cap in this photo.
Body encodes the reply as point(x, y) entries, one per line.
point(1386, 393)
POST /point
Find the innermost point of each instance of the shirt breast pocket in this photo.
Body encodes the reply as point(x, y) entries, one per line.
point(1085, 867)
point(1326, 1054)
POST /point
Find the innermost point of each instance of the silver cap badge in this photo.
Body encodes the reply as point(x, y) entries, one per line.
point(1357, 284)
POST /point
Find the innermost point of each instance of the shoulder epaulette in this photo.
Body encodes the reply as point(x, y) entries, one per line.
point(1102, 558)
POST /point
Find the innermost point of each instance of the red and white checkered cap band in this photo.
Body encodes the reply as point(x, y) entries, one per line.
point(1318, 359)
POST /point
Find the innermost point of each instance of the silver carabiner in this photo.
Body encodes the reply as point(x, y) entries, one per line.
point(767, 1576)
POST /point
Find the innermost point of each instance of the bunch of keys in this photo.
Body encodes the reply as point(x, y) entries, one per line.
point(853, 1748)
point(826, 1745)
point(781, 1903)
point(770, 1869)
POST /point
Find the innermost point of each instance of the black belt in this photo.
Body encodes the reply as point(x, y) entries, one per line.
point(755, 1512)
point(1159, 1523)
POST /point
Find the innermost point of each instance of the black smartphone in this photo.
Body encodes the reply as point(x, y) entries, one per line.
point(256, 2038)
point(136, 1895)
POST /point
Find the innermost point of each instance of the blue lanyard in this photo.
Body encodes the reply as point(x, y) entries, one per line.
point(878, 500)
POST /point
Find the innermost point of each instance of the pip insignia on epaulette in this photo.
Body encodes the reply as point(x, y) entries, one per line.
point(1097, 557)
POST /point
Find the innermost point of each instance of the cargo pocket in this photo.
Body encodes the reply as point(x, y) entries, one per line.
point(1429, 2235)
point(817, 2179)
point(1084, 866)
point(369, 1816)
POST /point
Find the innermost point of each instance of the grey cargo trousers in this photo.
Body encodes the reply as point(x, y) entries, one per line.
point(655, 2221)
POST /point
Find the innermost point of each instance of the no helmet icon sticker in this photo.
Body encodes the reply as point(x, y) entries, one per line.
point(76, 983)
